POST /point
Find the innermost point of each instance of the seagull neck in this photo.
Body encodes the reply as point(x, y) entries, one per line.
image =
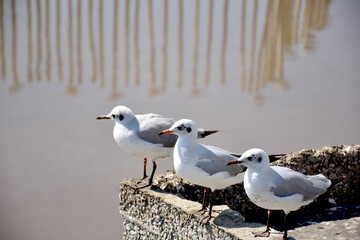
point(186, 140)
point(133, 126)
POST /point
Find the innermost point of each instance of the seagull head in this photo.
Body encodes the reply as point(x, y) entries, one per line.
point(120, 114)
point(183, 127)
point(253, 158)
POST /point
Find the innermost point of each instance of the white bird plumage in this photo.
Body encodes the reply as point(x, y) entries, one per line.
point(200, 164)
point(278, 188)
point(139, 134)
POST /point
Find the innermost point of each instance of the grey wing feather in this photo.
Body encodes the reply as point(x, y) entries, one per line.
point(214, 160)
point(290, 182)
point(150, 127)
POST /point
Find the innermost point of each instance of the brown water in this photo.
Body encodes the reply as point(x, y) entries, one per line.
point(282, 77)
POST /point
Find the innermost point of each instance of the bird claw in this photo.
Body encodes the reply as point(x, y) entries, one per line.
point(203, 211)
point(142, 179)
point(205, 220)
point(262, 234)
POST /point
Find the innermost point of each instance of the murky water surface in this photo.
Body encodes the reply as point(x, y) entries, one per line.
point(282, 77)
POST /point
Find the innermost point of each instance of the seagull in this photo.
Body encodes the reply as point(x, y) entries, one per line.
point(202, 165)
point(278, 188)
point(139, 135)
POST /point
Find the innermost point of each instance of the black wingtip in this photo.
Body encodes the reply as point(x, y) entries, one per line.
point(275, 157)
point(206, 133)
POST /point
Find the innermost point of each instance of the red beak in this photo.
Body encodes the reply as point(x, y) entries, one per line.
point(165, 132)
point(233, 162)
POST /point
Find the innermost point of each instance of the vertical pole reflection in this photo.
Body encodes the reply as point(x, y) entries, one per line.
point(181, 56)
point(39, 42)
point(136, 42)
point(2, 46)
point(79, 52)
point(209, 42)
point(71, 89)
point(196, 43)
point(30, 47)
point(152, 46)
point(223, 52)
point(253, 41)
point(16, 85)
point(92, 43)
point(127, 30)
point(48, 49)
point(262, 52)
point(58, 40)
point(164, 73)
point(294, 34)
point(115, 50)
point(242, 48)
point(101, 42)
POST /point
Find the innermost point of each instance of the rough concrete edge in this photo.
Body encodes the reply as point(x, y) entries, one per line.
point(239, 230)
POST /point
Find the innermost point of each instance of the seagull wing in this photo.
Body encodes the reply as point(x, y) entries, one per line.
point(288, 182)
point(150, 127)
point(213, 160)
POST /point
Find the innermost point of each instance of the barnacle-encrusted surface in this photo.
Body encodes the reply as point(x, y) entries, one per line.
point(341, 164)
point(168, 209)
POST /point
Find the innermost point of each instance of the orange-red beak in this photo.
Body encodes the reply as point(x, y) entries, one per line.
point(233, 162)
point(166, 132)
point(102, 117)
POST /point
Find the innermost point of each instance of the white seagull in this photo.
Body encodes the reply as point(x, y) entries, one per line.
point(200, 164)
point(278, 188)
point(139, 135)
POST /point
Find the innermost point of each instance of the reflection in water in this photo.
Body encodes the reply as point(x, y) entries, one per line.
point(166, 9)
point(209, 42)
point(30, 75)
point(48, 49)
point(127, 34)
point(71, 89)
point(92, 43)
point(136, 43)
point(39, 45)
point(101, 41)
point(114, 93)
point(242, 48)
point(196, 44)
point(280, 27)
point(2, 44)
point(180, 39)
point(58, 38)
point(225, 26)
point(153, 89)
point(252, 48)
point(16, 85)
point(79, 42)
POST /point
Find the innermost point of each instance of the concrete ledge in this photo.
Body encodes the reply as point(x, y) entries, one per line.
point(151, 214)
point(164, 211)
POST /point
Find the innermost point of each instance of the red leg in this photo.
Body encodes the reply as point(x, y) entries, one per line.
point(267, 230)
point(152, 173)
point(203, 209)
point(145, 162)
point(285, 226)
point(207, 218)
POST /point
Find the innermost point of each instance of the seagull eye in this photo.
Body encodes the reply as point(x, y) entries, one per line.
point(181, 127)
point(121, 117)
point(113, 115)
point(250, 158)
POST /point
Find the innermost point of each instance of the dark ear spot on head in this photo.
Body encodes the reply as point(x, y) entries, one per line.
point(259, 159)
point(188, 129)
point(121, 117)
